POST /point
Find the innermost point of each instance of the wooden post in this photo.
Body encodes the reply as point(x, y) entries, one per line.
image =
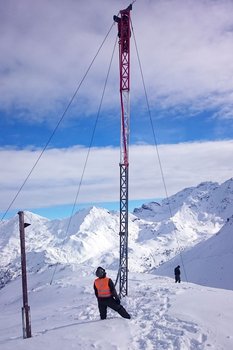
point(26, 320)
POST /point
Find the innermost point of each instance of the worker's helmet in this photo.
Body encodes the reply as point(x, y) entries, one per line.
point(100, 272)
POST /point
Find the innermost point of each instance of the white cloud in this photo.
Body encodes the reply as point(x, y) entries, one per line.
point(56, 178)
point(46, 46)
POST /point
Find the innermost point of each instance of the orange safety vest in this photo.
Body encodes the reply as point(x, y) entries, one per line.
point(102, 287)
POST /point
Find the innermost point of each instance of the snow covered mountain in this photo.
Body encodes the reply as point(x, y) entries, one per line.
point(157, 233)
point(193, 230)
point(89, 234)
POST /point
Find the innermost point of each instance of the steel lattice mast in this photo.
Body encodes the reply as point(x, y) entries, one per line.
point(124, 64)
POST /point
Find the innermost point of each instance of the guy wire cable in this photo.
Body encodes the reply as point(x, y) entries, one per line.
point(89, 149)
point(156, 146)
point(58, 124)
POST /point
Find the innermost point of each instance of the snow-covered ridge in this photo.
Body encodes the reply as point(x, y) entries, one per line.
point(91, 236)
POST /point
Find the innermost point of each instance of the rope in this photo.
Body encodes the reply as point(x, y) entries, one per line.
point(156, 146)
point(117, 277)
point(57, 126)
point(89, 149)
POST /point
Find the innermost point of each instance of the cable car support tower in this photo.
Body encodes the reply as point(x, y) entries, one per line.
point(123, 22)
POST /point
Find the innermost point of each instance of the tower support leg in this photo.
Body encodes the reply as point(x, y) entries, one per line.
point(123, 290)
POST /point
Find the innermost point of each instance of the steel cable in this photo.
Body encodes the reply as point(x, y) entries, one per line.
point(156, 146)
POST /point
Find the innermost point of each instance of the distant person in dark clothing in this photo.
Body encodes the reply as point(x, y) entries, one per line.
point(177, 274)
point(106, 295)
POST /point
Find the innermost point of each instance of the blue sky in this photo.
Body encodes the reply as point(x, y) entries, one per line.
point(186, 50)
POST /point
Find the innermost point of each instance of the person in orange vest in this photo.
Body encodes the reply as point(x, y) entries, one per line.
point(107, 296)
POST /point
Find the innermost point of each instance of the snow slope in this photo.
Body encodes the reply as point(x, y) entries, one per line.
point(165, 315)
point(208, 263)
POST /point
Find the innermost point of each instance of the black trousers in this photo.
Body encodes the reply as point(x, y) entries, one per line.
point(177, 278)
point(104, 303)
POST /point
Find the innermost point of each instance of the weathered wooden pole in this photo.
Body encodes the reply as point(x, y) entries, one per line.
point(26, 320)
